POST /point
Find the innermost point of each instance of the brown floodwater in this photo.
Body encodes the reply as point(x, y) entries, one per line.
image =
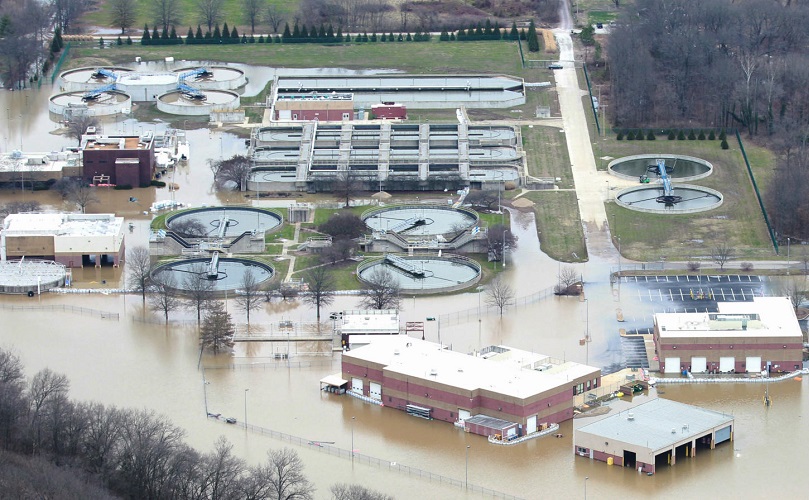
point(138, 362)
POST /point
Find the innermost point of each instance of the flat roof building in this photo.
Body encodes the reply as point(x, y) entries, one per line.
point(75, 240)
point(369, 322)
point(118, 160)
point(27, 168)
point(652, 434)
point(313, 106)
point(521, 388)
point(741, 337)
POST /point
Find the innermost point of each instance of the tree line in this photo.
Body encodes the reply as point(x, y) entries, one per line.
point(56, 447)
point(721, 64)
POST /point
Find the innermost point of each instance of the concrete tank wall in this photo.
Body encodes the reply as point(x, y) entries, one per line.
point(200, 110)
point(123, 107)
point(66, 85)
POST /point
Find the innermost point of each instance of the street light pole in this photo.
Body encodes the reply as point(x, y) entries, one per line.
point(585, 487)
point(466, 480)
point(587, 333)
point(352, 437)
point(245, 408)
point(504, 248)
point(205, 391)
point(788, 260)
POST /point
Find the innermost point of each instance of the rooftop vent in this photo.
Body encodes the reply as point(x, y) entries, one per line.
point(433, 372)
point(630, 416)
point(396, 352)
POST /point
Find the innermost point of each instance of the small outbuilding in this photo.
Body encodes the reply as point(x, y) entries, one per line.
point(653, 434)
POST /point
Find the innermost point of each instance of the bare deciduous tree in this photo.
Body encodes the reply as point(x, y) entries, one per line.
point(499, 294)
point(236, 170)
point(249, 293)
point(220, 471)
point(252, 12)
point(198, 289)
point(567, 279)
point(342, 491)
point(217, 328)
point(78, 124)
point(164, 297)
point(722, 254)
point(76, 191)
point(795, 289)
point(138, 268)
point(209, 12)
point(320, 288)
point(381, 290)
point(345, 187)
point(274, 17)
point(499, 240)
point(166, 13)
point(190, 228)
point(281, 477)
point(123, 13)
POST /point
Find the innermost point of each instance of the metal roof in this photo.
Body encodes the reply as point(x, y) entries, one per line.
point(489, 422)
point(657, 424)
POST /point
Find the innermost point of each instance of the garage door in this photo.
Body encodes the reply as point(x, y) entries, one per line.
point(672, 365)
point(531, 425)
point(512, 431)
point(753, 364)
point(699, 365)
point(727, 364)
point(284, 114)
point(722, 435)
point(356, 385)
point(463, 414)
point(376, 391)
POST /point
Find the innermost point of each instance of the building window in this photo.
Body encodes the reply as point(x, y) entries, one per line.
point(595, 383)
point(582, 451)
point(588, 385)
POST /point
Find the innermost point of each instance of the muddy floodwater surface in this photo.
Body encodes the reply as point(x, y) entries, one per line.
point(123, 355)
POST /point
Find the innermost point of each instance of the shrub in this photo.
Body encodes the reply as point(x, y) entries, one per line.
point(693, 266)
point(671, 135)
point(724, 144)
point(711, 136)
point(639, 135)
point(620, 136)
point(747, 266)
point(630, 136)
point(157, 183)
point(722, 135)
point(122, 187)
point(650, 136)
point(681, 136)
point(692, 136)
point(701, 135)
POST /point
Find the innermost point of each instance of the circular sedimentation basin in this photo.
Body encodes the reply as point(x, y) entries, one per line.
point(22, 277)
point(105, 104)
point(229, 274)
point(680, 168)
point(417, 275)
point(420, 220)
point(177, 103)
point(648, 198)
point(239, 221)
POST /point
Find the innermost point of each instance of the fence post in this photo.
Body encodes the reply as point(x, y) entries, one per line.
point(758, 194)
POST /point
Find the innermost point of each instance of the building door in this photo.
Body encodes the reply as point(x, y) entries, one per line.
point(346, 116)
point(699, 365)
point(727, 364)
point(672, 365)
point(531, 425)
point(722, 435)
point(356, 385)
point(284, 114)
point(753, 364)
point(463, 414)
point(629, 458)
point(375, 391)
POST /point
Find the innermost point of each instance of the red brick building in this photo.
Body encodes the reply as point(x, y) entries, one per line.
point(314, 106)
point(389, 111)
point(118, 160)
point(519, 390)
point(741, 337)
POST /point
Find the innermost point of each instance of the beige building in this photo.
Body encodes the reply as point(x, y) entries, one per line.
point(653, 434)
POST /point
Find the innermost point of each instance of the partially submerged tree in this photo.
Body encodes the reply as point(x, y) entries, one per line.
point(381, 290)
point(499, 294)
point(568, 282)
point(190, 227)
point(281, 477)
point(235, 170)
point(249, 293)
point(198, 289)
point(164, 297)
point(341, 491)
point(76, 190)
point(320, 288)
point(499, 239)
point(345, 187)
point(78, 124)
point(138, 266)
point(217, 330)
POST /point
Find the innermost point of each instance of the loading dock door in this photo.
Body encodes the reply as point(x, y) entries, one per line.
point(284, 114)
point(672, 365)
point(356, 385)
point(699, 365)
point(463, 414)
point(376, 391)
point(726, 364)
point(531, 425)
point(753, 364)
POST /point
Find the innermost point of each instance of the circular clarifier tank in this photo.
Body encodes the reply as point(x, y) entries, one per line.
point(684, 199)
point(424, 274)
point(420, 221)
point(206, 222)
point(181, 103)
point(680, 168)
point(101, 104)
point(78, 79)
point(227, 274)
point(213, 77)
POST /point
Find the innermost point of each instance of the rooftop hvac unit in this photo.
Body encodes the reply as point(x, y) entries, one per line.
point(433, 372)
point(630, 416)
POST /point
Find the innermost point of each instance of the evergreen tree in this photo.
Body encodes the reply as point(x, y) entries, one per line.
point(514, 35)
point(145, 39)
point(261, 39)
point(234, 36)
point(101, 42)
point(189, 37)
point(304, 33)
point(523, 36)
point(339, 36)
point(252, 39)
point(533, 41)
point(119, 41)
point(155, 36)
point(452, 37)
point(225, 33)
point(401, 38)
point(330, 33)
point(444, 36)
point(650, 136)
point(391, 37)
point(296, 31)
point(164, 35)
point(409, 38)
point(199, 37)
point(129, 40)
point(57, 37)
point(217, 35)
point(244, 37)
point(173, 35)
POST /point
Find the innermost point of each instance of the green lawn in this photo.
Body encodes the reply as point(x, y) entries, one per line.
point(547, 156)
point(422, 57)
point(558, 225)
point(231, 9)
point(738, 222)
